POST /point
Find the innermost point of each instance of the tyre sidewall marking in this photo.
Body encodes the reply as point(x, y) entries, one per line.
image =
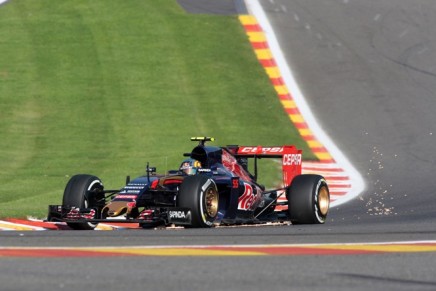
point(85, 202)
point(316, 207)
point(202, 213)
point(93, 183)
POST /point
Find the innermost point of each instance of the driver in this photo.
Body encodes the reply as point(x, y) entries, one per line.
point(190, 166)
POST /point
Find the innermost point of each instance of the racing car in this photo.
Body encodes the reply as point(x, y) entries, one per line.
point(213, 186)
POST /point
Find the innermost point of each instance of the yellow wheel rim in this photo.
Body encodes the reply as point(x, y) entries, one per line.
point(211, 198)
point(323, 200)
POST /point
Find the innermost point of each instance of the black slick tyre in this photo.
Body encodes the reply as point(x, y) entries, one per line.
point(200, 194)
point(308, 199)
point(77, 194)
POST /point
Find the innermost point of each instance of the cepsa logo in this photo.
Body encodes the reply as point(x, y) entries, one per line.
point(263, 150)
point(291, 159)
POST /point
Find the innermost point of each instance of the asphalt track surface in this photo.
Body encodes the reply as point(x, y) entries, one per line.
point(367, 69)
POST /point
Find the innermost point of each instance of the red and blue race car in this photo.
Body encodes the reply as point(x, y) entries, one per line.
point(212, 186)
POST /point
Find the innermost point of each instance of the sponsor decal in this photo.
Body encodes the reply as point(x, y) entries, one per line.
point(133, 187)
point(130, 192)
point(246, 200)
point(292, 159)
point(261, 150)
point(179, 216)
point(126, 196)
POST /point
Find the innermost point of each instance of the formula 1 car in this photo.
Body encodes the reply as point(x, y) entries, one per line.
point(213, 186)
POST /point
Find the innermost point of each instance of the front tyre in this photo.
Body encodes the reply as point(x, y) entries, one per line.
point(308, 199)
point(77, 194)
point(200, 194)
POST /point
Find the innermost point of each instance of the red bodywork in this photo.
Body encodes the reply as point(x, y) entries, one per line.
point(290, 155)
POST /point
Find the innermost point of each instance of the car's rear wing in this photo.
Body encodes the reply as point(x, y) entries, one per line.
point(290, 155)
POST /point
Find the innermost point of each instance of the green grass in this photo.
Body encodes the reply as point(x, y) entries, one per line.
point(104, 86)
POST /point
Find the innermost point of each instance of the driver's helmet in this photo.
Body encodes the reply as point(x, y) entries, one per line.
point(190, 166)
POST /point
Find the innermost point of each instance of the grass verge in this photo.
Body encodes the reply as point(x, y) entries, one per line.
point(102, 87)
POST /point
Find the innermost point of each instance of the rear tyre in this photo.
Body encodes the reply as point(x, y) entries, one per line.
point(77, 194)
point(200, 194)
point(308, 199)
